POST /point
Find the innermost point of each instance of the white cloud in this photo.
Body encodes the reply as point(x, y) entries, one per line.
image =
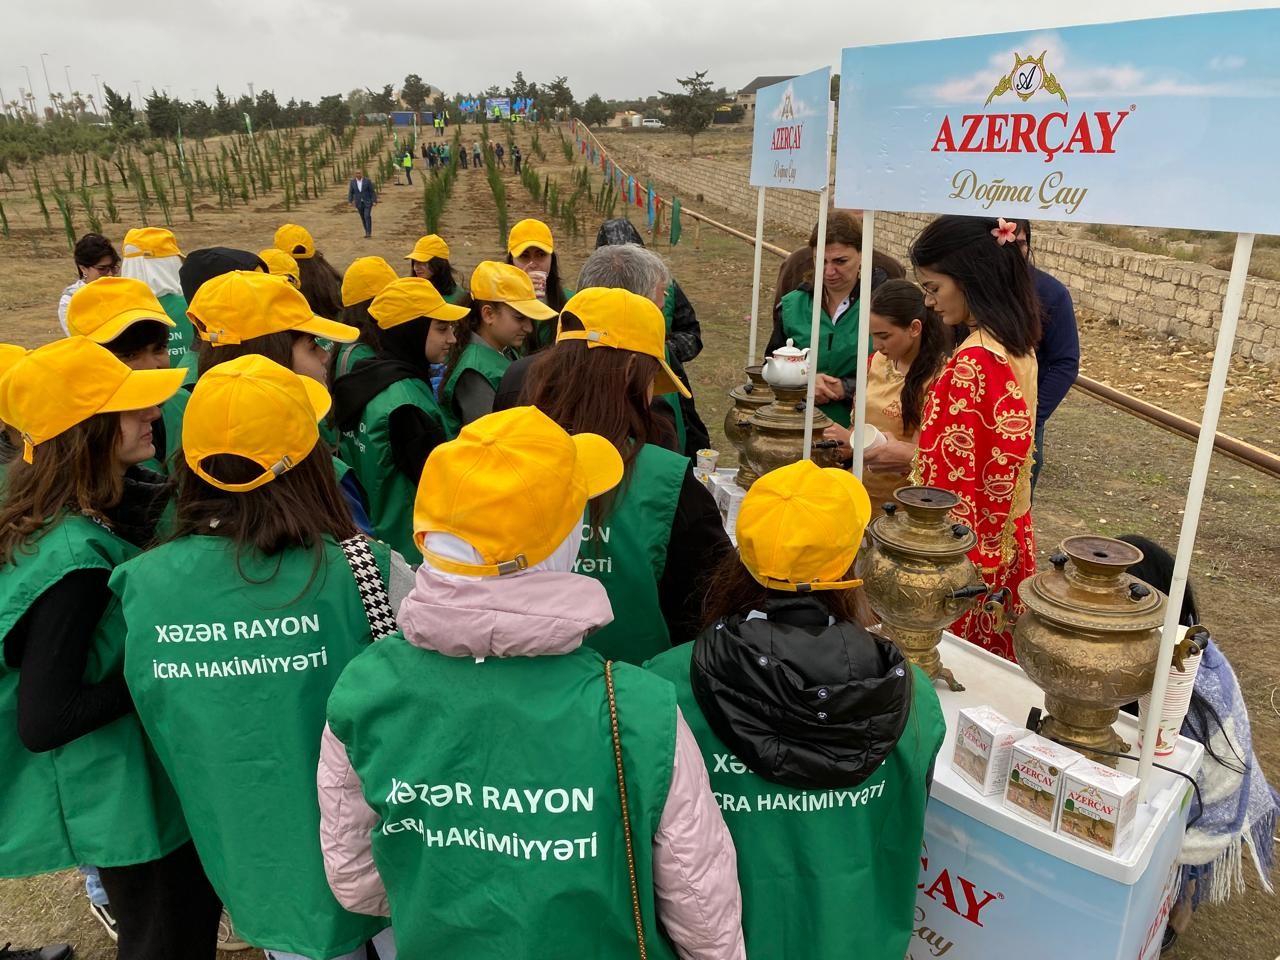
point(1229, 62)
point(799, 108)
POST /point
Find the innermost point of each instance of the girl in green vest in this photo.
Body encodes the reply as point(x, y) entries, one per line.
point(651, 542)
point(82, 782)
point(126, 317)
point(365, 279)
point(429, 259)
point(289, 593)
point(819, 735)
point(246, 313)
point(504, 311)
point(837, 347)
point(389, 416)
point(531, 247)
point(469, 777)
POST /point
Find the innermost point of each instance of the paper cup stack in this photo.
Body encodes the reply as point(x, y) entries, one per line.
point(1177, 698)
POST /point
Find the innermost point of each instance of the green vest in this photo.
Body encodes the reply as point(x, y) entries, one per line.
point(668, 314)
point(349, 354)
point(544, 331)
point(824, 873)
point(103, 798)
point(182, 334)
point(231, 686)
point(480, 357)
point(171, 412)
point(629, 552)
point(499, 830)
point(367, 449)
point(189, 362)
point(837, 343)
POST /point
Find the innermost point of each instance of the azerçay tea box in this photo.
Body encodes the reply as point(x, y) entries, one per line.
point(1036, 778)
point(1098, 805)
point(984, 748)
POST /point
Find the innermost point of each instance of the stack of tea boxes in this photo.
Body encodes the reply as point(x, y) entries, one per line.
point(1044, 781)
point(728, 496)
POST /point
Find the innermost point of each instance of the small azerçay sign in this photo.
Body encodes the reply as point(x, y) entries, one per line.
point(1170, 122)
point(790, 143)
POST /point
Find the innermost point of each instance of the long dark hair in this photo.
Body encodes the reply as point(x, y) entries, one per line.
point(555, 289)
point(994, 277)
point(1156, 568)
point(900, 302)
point(321, 284)
point(298, 508)
point(74, 471)
point(465, 330)
point(441, 274)
point(732, 590)
point(356, 315)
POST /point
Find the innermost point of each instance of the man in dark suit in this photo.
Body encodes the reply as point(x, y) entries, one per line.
point(362, 196)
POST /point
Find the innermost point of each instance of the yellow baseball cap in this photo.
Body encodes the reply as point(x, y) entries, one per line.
point(11, 353)
point(613, 317)
point(151, 242)
point(244, 304)
point(295, 241)
point(365, 279)
point(280, 264)
point(409, 298)
point(48, 391)
point(800, 527)
point(429, 246)
point(254, 408)
point(513, 485)
point(502, 283)
point(102, 311)
point(529, 233)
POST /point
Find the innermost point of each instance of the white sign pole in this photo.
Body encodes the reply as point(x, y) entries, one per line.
point(755, 283)
point(815, 325)
point(864, 324)
point(1195, 498)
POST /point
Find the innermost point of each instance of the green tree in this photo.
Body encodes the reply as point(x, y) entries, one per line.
point(595, 112)
point(384, 101)
point(225, 119)
point(197, 120)
point(835, 87)
point(558, 95)
point(266, 110)
point(692, 111)
point(414, 92)
point(360, 101)
point(163, 114)
point(119, 109)
point(332, 112)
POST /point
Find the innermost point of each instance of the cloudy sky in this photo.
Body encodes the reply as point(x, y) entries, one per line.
point(309, 48)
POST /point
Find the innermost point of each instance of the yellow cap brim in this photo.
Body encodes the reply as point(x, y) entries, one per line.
point(524, 245)
point(329, 329)
point(771, 584)
point(118, 325)
point(599, 464)
point(533, 309)
point(144, 388)
point(449, 313)
point(318, 396)
point(673, 383)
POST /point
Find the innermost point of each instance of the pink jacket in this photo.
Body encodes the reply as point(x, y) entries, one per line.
point(695, 874)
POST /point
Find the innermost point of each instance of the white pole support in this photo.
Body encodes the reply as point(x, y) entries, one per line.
point(864, 325)
point(815, 325)
point(755, 282)
point(1195, 499)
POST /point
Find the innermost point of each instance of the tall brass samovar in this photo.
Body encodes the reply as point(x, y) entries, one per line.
point(1089, 638)
point(775, 436)
point(747, 399)
point(917, 574)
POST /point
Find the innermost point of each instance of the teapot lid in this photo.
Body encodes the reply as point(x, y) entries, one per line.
point(790, 350)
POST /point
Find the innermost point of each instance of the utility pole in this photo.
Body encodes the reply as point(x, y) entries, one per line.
point(251, 96)
point(47, 87)
point(66, 72)
point(23, 96)
point(98, 81)
point(137, 85)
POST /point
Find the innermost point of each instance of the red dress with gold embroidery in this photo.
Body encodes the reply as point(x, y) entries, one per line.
point(976, 437)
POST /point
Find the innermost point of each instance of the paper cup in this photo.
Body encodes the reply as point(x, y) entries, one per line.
point(539, 280)
point(1177, 699)
point(707, 460)
point(872, 437)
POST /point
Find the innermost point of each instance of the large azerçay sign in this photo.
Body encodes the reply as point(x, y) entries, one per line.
point(1170, 122)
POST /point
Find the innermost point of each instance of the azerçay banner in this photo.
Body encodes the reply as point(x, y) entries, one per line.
point(1173, 122)
point(788, 148)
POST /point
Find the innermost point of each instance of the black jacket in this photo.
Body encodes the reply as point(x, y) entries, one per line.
point(799, 700)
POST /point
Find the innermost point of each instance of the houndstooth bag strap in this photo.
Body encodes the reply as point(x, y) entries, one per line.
point(373, 592)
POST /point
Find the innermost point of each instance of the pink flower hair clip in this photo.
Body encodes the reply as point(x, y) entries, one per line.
point(1005, 230)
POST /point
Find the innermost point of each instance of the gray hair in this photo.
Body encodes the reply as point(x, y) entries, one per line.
point(625, 265)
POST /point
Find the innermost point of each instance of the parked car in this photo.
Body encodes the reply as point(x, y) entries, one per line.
point(652, 122)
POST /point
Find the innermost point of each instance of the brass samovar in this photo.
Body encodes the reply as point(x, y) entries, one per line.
point(775, 436)
point(1089, 638)
point(917, 574)
point(747, 399)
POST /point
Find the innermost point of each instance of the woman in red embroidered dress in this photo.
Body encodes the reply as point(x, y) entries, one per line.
point(978, 424)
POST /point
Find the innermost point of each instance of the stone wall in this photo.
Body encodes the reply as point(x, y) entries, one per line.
point(1134, 289)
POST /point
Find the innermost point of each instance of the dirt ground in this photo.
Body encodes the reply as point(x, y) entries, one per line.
point(1106, 472)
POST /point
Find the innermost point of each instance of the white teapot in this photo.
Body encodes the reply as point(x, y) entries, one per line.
point(787, 366)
